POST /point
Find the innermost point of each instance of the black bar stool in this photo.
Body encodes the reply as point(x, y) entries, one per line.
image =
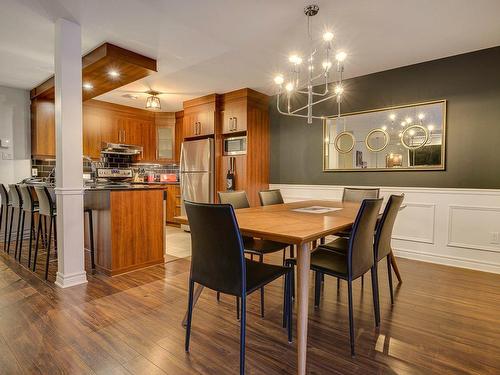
point(30, 206)
point(46, 208)
point(4, 208)
point(16, 202)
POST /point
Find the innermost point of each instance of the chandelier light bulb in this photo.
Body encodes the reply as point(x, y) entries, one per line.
point(384, 127)
point(279, 79)
point(411, 132)
point(339, 90)
point(408, 120)
point(289, 87)
point(328, 36)
point(340, 56)
point(400, 134)
point(430, 127)
point(392, 117)
point(327, 65)
point(403, 123)
point(295, 59)
point(421, 116)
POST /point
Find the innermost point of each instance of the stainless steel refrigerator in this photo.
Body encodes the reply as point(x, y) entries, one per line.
point(197, 172)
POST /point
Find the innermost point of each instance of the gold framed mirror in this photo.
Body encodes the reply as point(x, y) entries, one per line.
point(407, 137)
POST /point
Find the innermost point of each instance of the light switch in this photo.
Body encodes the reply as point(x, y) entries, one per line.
point(6, 156)
point(5, 142)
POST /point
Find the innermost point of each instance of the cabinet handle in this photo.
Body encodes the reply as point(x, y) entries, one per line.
point(230, 124)
point(235, 121)
point(199, 128)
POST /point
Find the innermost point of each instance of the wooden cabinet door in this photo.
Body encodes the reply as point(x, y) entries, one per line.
point(91, 134)
point(165, 142)
point(111, 129)
point(43, 128)
point(189, 125)
point(234, 117)
point(173, 202)
point(206, 122)
point(148, 134)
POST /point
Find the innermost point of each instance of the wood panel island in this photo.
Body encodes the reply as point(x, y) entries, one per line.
point(128, 225)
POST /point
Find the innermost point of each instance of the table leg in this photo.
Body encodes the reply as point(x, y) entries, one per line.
point(303, 265)
point(197, 292)
point(395, 267)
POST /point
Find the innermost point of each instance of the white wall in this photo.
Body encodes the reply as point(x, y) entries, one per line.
point(446, 226)
point(15, 161)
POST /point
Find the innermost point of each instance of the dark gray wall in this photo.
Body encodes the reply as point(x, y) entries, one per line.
point(470, 83)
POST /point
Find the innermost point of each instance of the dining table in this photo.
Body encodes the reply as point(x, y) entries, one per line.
point(301, 224)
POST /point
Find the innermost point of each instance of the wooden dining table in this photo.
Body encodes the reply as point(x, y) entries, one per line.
point(283, 223)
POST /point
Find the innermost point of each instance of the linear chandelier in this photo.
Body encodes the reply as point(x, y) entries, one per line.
point(294, 84)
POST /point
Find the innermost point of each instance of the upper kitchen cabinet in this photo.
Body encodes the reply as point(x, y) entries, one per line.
point(179, 120)
point(43, 130)
point(200, 116)
point(234, 114)
point(165, 136)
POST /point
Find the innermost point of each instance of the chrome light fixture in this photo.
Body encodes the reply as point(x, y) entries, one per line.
point(153, 101)
point(293, 84)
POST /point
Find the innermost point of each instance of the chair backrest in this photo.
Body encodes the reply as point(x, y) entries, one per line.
point(45, 203)
point(28, 201)
point(385, 226)
point(269, 197)
point(237, 199)
point(15, 196)
point(358, 194)
point(4, 194)
point(360, 256)
point(217, 259)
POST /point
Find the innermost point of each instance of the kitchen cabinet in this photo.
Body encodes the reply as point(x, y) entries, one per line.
point(200, 116)
point(234, 117)
point(165, 135)
point(43, 129)
point(179, 119)
point(173, 202)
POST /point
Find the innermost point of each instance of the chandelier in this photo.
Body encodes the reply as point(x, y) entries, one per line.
point(294, 84)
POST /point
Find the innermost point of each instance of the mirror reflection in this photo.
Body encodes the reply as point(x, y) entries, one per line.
point(404, 137)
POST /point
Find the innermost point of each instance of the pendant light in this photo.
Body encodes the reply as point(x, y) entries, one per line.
point(153, 101)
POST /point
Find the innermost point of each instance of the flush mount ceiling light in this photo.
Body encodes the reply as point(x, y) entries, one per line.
point(291, 84)
point(153, 101)
point(88, 86)
point(113, 73)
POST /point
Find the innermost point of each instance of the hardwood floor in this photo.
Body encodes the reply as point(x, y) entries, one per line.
point(444, 320)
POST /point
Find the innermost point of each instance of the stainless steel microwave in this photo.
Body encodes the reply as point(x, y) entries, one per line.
point(235, 145)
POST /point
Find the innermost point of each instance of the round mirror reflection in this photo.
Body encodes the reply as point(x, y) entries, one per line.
point(414, 137)
point(377, 140)
point(344, 142)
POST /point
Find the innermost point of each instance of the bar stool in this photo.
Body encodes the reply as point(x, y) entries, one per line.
point(47, 208)
point(16, 202)
point(4, 208)
point(30, 206)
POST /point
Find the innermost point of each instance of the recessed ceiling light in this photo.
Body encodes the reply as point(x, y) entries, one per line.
point(88, 86)
point(130, 96)
point(114, 73)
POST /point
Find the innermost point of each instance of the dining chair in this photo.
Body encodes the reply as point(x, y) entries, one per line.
point(383, 235)
point(218, 262)
point(356, 259)
point(47, 208)
point(4, 212)
point(30, 207)
point(356, 195)
point(253, 246)
point(17, 203)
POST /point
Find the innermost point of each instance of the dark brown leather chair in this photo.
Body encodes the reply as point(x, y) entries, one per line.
point(218, 262)
point(30, 207)
point(47, 208)
point(253, 246)
point(269, 197)
point(355, 259)
point(17, 203)
point(382, 245)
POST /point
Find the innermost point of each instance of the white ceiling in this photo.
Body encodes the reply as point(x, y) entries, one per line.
point(219, 45)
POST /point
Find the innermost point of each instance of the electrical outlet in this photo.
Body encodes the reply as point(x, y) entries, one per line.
point(494, 238)
point(6, 156)
point(34, 172)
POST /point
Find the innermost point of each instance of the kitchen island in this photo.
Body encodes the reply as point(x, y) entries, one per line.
point(128, 226)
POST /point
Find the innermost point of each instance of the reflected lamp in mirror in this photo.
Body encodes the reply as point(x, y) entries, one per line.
point(408, 137)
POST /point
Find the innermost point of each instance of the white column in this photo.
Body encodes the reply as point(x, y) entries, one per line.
point(69, 164)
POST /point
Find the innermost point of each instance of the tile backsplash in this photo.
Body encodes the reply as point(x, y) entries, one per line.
point(45, 167)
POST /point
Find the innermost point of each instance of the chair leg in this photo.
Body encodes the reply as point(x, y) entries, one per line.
point(32, 233)
point(317, 287)
point(292, 251)
point(376, 304)
point(261, 260)
point(351, 319)
point(362, 281)
point(242, 334)
point(237, 308)
point(48, 248)
point(1, 217)
point(38, 233)
point(338, 284)
point(218, 296)
point(284, 256)
point(55, 235)
point(289, 311)
point(190, 315)
point(21, 235)
point(285, 300)
point(389, 274)
point(10, 228)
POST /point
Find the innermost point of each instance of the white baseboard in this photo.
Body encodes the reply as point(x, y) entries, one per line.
point(446, 226)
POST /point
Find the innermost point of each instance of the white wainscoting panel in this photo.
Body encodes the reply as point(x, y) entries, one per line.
point(448, 226)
